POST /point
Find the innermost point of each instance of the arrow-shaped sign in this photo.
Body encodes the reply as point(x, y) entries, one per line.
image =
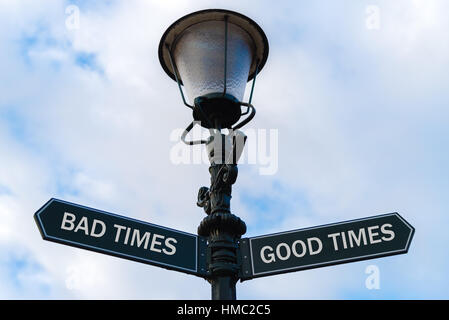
point(348, 241)
point(108, 233)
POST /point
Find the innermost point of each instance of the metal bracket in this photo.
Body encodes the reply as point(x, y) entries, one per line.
point(202, 257)
point(245, 271)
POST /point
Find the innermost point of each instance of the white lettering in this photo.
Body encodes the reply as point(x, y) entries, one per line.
point(373, 280)
point(128, 231)
point(372, 21)
point(287, 249)
point(65, 220)
point(320, 245)
point(136, 238)
point(73, 20)
point(94, 225)
point(358, 239)
point(154, 242)
point(303, 245)
point(119, 229)
point(272, 159)
point(170, 246)
point(343, 238)
point(388, 232)
point(82, 225)
point(372, 234)
point(334, 238)
point(271, 257)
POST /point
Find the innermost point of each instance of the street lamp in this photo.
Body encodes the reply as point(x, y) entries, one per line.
point(213, 54)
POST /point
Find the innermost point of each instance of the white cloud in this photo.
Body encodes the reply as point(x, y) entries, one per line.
point(361, 125)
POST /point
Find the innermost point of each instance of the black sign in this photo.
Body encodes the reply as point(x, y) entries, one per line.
point(349, 241)
point(108, 233)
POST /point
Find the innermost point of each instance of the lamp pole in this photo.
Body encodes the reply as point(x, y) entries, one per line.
point(213, 53)
point(223, 230)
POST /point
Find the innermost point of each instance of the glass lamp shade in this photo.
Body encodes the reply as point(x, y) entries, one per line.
point(199, 54)
point(193, 48)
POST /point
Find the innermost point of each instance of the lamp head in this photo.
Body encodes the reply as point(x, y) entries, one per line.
point(213, 53)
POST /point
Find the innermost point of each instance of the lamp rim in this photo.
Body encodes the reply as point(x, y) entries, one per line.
point(256, 33)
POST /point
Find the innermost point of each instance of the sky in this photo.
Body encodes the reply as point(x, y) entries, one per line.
point(352, 103)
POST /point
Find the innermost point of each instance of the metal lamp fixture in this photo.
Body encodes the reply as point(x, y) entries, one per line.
point(213, 54)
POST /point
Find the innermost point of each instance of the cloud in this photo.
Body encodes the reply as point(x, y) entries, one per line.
point(86, 115)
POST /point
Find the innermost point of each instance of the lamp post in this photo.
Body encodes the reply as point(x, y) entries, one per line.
point(213, 54)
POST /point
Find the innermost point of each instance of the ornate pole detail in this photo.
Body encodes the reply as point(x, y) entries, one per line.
point(222, 228)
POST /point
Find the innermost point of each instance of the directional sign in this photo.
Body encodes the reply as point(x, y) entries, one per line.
point(104, 232)
point(349, 241)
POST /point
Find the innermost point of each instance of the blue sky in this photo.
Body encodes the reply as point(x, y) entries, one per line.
point(86, 115)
